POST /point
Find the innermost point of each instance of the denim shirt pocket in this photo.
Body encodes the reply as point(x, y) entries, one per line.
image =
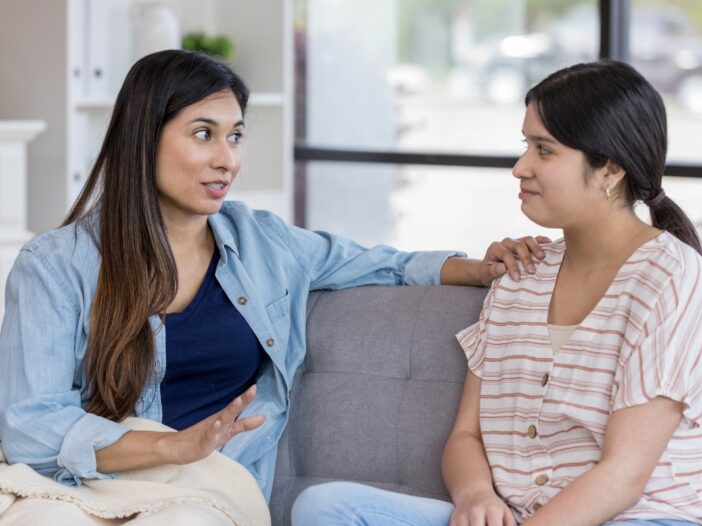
point(279, 308)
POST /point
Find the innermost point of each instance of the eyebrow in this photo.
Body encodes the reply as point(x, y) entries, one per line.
point(213, 122)
point(540, 138)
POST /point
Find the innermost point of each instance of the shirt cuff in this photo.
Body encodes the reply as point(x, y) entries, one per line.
point(76, 460)
point(424, 268)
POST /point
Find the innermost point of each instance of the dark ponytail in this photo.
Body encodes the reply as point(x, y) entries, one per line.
point(668, 216)
point(610, 112)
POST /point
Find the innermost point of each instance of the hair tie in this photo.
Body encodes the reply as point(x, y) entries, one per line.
point(656, 200)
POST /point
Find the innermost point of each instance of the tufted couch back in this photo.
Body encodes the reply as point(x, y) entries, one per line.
point(377, 394)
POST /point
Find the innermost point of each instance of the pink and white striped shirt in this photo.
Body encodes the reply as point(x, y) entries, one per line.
point(543, 414)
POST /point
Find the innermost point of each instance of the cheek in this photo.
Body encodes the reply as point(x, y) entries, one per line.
point(177, 167)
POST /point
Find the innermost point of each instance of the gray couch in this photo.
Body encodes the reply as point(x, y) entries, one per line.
point(377, 394)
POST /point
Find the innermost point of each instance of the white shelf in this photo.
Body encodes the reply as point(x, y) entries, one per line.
point(266, 99)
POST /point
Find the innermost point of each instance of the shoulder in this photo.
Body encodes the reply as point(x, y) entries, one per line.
point(69, 254)
point(536, 283)
point(74, 242)
point(679, 257)
point(669, 261)
point(665, 280)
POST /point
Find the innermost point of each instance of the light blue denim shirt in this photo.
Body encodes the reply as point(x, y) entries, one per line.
point(49, 294)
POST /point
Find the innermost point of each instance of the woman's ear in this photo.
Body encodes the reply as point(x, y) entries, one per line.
point(613, 175)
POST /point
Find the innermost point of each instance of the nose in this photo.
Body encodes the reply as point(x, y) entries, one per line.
point(522, 169)
point(227, 157)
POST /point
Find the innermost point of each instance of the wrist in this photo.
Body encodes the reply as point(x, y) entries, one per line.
point(461, 271)
point(163, 450)
point(473, 493)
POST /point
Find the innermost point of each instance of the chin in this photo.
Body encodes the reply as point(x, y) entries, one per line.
point(210, 207)
point(540, 219)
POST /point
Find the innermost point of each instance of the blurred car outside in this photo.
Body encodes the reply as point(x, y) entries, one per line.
point(664, 48)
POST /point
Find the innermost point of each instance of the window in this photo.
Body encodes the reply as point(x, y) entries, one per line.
point(437, 82)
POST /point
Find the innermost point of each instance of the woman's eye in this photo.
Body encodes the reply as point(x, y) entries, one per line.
point(543, 150)
point(236, 137)
point(203, 135)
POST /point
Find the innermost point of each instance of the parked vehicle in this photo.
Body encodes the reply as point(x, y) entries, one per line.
point(664, 48)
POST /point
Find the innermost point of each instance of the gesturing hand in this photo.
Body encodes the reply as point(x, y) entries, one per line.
point(201, 439)
point(501, 257)
point(483, 510)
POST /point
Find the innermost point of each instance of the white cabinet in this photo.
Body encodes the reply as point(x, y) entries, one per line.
point(63, 62)
point(14, 136)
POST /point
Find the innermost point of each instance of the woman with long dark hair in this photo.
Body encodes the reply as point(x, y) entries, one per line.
point(583, 400)
point(157, 298)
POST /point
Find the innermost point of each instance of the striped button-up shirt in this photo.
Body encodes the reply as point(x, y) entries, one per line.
point(543, 415)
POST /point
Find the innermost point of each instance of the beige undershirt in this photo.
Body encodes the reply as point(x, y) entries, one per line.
point(560, 334)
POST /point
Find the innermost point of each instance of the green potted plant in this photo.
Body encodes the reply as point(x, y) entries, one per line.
point(219, 46)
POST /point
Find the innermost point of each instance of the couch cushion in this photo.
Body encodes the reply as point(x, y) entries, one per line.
point(377, 394)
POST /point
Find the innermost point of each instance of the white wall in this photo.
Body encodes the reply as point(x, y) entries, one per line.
point(33, 86)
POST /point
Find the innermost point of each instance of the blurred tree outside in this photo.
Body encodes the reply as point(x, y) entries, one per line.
point(691, 8)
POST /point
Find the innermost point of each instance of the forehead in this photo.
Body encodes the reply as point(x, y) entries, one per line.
point(221, 106)
point(532, 122)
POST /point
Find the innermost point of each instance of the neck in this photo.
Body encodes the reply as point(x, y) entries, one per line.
point(606, 238)
point(188, 234)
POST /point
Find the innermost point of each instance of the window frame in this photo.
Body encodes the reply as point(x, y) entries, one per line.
point(614, 44)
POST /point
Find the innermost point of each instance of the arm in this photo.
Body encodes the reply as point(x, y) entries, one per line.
point(335, 262)
point(465, 467)
point(635, 439)
point(144, 449)
point(42, 423)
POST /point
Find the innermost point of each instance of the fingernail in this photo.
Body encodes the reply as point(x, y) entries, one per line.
point(540, 253)
point(515, 276)
point(531, 268)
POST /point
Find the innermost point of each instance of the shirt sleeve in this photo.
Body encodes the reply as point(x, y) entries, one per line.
point(666, 359)
point(42, 423)
point(334, 262)
point(472, 339)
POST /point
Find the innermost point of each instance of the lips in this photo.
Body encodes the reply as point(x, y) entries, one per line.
point(217, 189)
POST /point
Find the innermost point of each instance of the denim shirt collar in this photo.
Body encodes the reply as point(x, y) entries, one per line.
point(225, 236)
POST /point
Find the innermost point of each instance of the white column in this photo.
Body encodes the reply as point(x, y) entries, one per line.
point(14, 136)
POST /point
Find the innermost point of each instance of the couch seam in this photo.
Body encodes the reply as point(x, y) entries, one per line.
point(404, 385)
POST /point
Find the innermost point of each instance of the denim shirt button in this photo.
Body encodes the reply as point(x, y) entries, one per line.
point(242, 300)
point(270, 342)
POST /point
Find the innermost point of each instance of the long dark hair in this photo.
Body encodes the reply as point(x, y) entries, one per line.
point(138, 275)
point(610, 112)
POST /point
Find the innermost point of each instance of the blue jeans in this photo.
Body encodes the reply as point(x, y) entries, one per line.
point(351, 504)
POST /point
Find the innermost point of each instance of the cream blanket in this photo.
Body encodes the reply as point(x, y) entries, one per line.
point(215, 481)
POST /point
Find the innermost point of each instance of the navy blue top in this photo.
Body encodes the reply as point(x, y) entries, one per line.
point(212, 355)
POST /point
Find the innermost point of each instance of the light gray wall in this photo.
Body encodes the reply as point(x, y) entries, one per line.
point(33, 86)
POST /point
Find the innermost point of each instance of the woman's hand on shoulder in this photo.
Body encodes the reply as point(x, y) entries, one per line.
point(201, 439)
point(483, 509)
point(501, 257)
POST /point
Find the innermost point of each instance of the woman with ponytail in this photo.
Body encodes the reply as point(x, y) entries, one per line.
point(583, 399)
point(157, 298)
